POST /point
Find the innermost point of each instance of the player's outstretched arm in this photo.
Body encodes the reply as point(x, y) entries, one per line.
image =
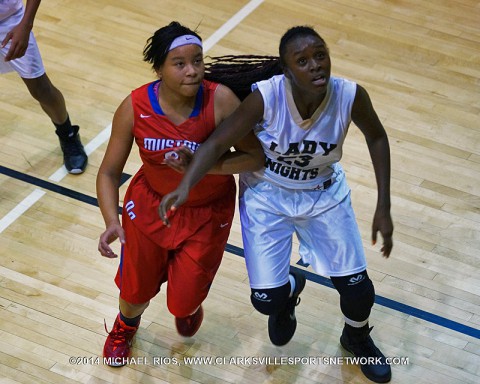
point(230, 131)
point(366, 119)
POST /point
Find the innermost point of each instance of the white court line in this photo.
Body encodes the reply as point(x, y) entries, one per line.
point(21, 207)
point(230, 24)
point(103, 136)
point(37, 194)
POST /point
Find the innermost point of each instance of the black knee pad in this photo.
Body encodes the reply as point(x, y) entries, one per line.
point(357, 295)
point(270, 301)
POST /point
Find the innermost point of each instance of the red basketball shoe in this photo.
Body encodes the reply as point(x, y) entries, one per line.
point(119, 341)
point(188, 326)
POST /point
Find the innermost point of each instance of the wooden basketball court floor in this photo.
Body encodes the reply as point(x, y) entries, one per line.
point(420, 62)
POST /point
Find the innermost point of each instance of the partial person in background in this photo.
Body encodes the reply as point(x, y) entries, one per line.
point(169, 119)
point(301, 119)
point(19, 52)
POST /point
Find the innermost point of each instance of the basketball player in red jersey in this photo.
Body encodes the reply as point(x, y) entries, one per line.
point(168, 119)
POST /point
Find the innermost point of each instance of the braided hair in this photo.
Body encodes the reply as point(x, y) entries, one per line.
point(239, 72)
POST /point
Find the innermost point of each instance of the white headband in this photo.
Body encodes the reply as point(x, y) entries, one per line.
point(184, 40)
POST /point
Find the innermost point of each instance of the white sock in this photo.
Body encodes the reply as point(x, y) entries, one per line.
point(356, 324)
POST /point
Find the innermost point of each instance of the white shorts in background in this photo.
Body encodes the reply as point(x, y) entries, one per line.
point(29, 66)
point(324, 222)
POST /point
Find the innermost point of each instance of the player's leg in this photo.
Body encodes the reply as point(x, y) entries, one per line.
point(188, 286)
point(142, 270)
point(267, 241)
point(53, 103)
point(330, 241)
point(199, 244)
point(357, 296)
point(49, 97)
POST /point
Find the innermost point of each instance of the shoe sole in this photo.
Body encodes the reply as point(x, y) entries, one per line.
point(116, 365)
point(76, 171)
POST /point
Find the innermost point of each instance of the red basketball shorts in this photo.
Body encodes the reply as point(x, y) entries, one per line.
point(187, 254)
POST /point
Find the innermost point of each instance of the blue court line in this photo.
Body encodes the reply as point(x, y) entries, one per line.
point(380, 300)
point(55, 187)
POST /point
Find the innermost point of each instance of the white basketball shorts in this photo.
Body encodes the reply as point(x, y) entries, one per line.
point(323, 221)
point(29, 66)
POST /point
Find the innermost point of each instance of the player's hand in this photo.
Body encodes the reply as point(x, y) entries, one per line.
point(382, 222)
point(179, 158)
point(170, 203)
point(18, 37)
point(113, 232)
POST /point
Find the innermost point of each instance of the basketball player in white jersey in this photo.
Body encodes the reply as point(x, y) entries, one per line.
point(19, 52)
point(301, 118)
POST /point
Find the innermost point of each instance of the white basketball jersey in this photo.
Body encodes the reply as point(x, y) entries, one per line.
point(301, 154)
point(9, 7)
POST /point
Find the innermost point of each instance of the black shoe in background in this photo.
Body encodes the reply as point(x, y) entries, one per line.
point(74, 155)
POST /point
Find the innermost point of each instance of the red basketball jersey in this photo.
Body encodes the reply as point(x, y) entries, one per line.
point(156, 136)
